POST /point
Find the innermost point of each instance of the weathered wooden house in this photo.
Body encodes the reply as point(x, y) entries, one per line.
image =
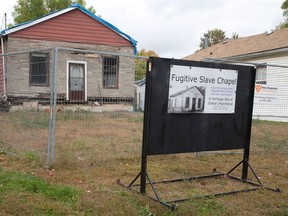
point(105, 73)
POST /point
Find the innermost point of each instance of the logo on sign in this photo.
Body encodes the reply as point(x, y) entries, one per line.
point(258, 88)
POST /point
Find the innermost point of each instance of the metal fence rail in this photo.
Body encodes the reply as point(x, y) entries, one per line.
point(44, 85)
point(24, 110)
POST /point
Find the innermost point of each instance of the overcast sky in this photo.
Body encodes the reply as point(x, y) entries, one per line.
point(173, 28)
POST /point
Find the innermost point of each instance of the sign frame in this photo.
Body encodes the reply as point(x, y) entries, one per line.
point(157, 112)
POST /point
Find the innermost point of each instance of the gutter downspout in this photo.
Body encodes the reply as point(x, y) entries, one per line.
point(4, 70)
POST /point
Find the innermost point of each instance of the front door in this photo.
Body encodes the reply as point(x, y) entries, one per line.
point(193, 104)
point(76, 82)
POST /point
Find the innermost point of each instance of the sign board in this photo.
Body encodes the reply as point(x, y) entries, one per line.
point(197, 106)
point(201, 90)
point(266, 94)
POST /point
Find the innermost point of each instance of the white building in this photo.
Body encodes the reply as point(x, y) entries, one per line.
point(268, 52)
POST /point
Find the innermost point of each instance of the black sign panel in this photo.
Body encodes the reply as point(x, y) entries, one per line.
point(192, 106)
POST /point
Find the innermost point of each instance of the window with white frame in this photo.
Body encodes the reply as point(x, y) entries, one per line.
point(110, 72)
point(39, 69)
point(261, 74)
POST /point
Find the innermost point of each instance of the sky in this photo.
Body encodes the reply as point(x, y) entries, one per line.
point(173, 28)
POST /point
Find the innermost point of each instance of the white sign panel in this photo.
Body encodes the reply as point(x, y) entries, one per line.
point(265, 94)
point(202, 90)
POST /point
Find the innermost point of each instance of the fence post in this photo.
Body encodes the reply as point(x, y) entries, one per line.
point(55, 85)
point(53, 103)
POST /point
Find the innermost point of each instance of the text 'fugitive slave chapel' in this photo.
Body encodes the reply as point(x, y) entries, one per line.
point(202, 90)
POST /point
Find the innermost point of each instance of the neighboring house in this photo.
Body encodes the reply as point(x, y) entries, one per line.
point(140, 94)
point(188, 100)
point(94, 77)
point(264, 51)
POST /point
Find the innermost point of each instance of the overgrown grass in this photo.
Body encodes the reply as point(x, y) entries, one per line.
point(34, 119)
point(270, 136)
point(93, 150)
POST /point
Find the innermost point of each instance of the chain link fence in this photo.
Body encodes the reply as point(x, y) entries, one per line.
point(270, 108)
point(25, 103)
point(73, 106)
point(55, 102)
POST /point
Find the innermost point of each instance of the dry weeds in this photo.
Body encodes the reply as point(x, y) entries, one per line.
point(94, 150)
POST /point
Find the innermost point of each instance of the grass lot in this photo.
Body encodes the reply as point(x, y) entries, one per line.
point(93, 151)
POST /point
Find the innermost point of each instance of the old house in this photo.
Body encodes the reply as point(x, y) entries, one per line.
point(188, 100)
point(268, 52)
point(93, 60)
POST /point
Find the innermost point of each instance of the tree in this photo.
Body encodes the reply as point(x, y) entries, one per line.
point(140, 64)
point(284, 7)
point(214, 36)
point(234, 35)
point(26, 10)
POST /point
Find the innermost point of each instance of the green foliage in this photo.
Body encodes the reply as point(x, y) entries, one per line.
point(140, 64)
point(26, 10)
point(209, 207)
point(215, 36)
point(79, 116)
point(285, 8)
point(145, 211)
point(56, 5)
point(32, 157)
point(37, 120)
point(284, 24)
point(234, 35)
point(140, 69)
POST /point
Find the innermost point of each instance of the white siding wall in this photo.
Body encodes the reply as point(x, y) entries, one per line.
point(275, 76)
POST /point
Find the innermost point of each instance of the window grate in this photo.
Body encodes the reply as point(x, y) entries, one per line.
point(110, 72)
point(39, 69)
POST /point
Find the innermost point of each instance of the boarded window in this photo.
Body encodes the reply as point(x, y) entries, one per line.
point(110, 72)
point(39, 69)
point(261, 74)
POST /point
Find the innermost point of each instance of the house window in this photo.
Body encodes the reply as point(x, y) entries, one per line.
point(261, 74)
point(110, 72)
point(39, 69)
